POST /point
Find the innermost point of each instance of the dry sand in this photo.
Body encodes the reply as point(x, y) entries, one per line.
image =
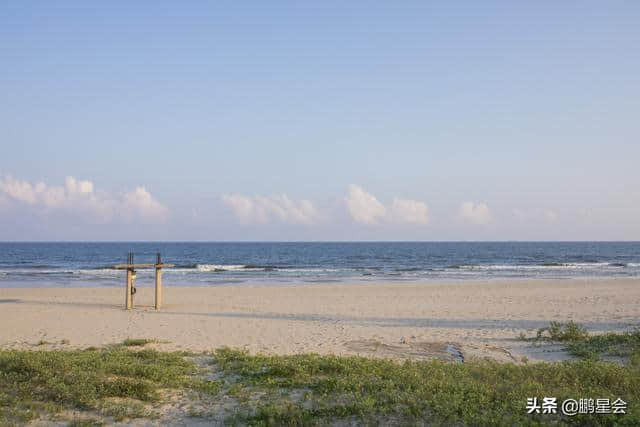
point(415, 320)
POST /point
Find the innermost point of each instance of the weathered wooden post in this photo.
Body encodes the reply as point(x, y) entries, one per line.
point(128, 301)
point(158, 282)
point(130, 272)
point(133, 285)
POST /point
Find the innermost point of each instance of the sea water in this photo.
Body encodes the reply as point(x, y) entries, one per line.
point(209, 264)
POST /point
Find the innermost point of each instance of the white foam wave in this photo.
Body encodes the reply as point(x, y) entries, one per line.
point(564, 266)
point(36, 271)
point(239, 267)
point(102, 271)
point(232, 267)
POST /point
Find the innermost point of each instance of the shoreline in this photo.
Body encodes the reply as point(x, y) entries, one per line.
point(148, 282)
point(416, 320)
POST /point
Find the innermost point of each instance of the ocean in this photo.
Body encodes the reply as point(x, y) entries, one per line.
point(75, 264)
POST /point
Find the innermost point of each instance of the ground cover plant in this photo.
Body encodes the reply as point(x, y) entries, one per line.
point(36, 382)
point(312, 389)
point(579, 343)
point(125, 382)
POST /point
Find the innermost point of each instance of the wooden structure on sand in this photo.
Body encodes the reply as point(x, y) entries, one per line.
point(131, 267)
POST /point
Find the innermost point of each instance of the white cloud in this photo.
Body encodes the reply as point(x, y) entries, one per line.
point(79, 197)
point(409, 211)
point(19, 190)
point(243, 208)
point(549, 215)
point(74, 186)
point(265, 209)
point(365, 208)
point(475, 213)
point(141, 203)
point(535, 215)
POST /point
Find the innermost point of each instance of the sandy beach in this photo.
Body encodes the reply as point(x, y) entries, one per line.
point(399, 320)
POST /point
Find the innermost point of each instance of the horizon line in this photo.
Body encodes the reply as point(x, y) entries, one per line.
point(319, 241)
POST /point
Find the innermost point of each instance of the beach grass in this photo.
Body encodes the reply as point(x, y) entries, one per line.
point(319, 389)
point(624, 345)
point(137, 342)
point(579, 343)
point(118, 383)
point(562, 332)
point(36, 382)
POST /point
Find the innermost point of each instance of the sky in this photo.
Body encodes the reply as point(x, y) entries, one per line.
point(288, 120)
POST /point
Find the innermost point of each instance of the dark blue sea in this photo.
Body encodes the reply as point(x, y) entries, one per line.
point(211, 264)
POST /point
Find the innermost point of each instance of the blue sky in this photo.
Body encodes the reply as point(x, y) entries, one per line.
point(493, 120)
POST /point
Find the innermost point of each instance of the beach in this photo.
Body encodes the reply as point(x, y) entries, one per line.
point(464, 319)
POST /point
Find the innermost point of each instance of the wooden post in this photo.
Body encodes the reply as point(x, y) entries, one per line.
point(158, 286)
point(129, 297)
point(158, 281)
point(133, 286)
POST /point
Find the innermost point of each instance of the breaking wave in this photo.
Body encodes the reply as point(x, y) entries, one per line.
point(541, 266)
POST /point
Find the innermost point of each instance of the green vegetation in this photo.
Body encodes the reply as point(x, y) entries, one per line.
point(122, 409)
point(85, 422)
point(208, 387)
point(563, 332)
point(137, 342)
point(312, 389)
point(624, 345)
point(34, 382)
point(118, 383)
point(580, 343)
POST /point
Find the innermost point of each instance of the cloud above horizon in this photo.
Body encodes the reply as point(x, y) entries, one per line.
point(535, 215)
point(475, 213)
point(80, 197)
point(82, 207)
point(365, 208)
point(267, 209)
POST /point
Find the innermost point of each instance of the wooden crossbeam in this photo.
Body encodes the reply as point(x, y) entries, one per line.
point(135, 266)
